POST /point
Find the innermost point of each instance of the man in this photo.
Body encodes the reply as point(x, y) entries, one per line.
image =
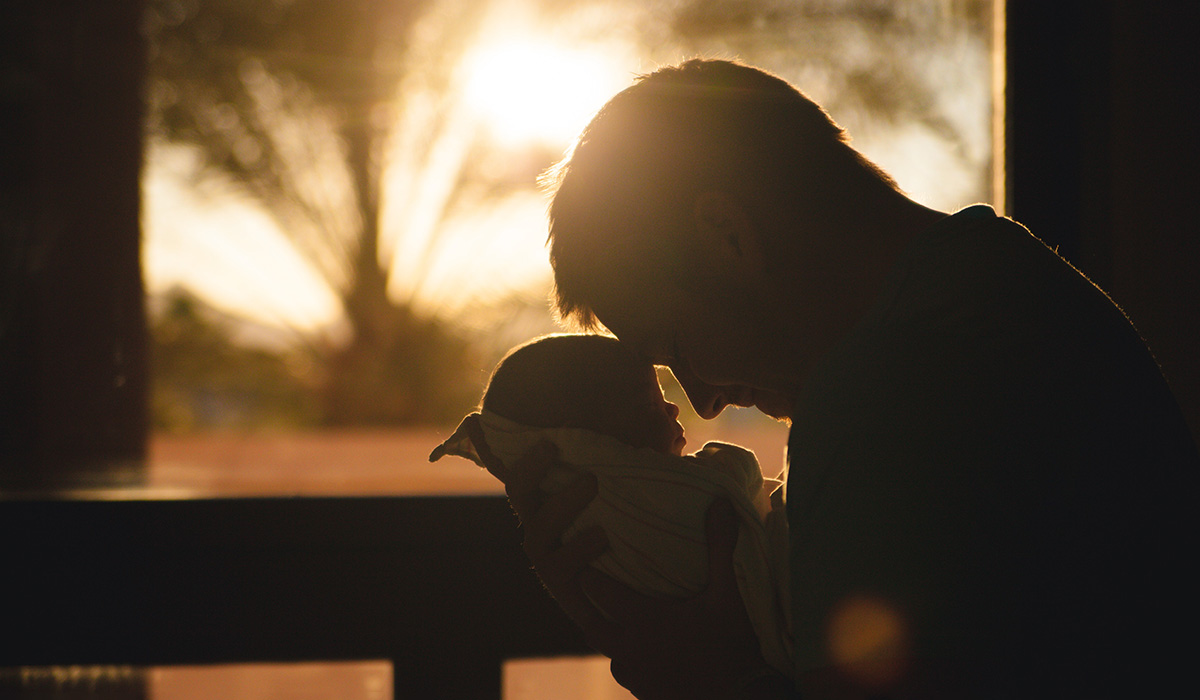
point(990, 486)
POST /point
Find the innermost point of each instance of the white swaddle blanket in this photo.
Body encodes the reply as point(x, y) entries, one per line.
point(652, 507)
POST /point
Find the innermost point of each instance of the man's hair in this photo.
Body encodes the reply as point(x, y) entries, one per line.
point(631, 177)
point(561, 380)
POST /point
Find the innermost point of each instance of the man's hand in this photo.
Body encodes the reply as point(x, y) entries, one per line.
point(544, 519)
point(700, 648)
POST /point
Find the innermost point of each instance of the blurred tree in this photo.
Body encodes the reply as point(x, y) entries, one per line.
point(294, 102)
point(897, 70)
point(202, 378)
point(346, 120)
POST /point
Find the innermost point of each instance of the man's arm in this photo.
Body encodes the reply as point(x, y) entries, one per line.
point(701, 648)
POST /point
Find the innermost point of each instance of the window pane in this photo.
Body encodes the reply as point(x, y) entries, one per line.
point(343, 230)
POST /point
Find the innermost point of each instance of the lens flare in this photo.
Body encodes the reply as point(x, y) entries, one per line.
point(868, 641)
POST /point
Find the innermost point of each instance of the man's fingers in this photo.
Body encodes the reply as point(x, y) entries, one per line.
point(560, 565)
point(721, 530)
point(545, 527)
point(600, 632)
point(628, 606)
point(623, 604)
point(560, 571)
point(568, 561)
point(526, 476)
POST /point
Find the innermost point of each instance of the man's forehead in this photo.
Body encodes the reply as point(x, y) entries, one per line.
point(637, 304)
point(645, 324)
point(628, 325)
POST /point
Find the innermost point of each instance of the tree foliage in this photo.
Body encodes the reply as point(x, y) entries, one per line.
point(203, 379)
point(341, 118)
point(293, 101)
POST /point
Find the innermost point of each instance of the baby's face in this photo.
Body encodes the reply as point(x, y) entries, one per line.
point(645, 418)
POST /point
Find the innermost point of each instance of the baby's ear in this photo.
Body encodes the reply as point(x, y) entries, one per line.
point(726, 230)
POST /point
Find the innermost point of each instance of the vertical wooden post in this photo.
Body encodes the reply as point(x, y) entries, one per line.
point(73, 380)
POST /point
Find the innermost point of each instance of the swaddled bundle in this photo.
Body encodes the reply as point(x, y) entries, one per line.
point(652, 507)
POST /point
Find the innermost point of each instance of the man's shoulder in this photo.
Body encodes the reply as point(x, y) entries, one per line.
point(981, 324)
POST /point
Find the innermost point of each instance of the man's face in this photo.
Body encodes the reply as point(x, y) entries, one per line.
point(721, 347)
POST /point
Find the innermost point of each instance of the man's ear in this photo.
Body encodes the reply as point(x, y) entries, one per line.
point(726, 228)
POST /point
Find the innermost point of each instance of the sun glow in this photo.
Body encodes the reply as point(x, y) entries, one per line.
point(521, 93)
point(490, 91)
point(532, 90)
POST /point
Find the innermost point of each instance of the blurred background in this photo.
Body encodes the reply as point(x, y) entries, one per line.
point(342, 229)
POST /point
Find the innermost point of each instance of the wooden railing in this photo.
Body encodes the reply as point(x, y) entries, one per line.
point(439, 586)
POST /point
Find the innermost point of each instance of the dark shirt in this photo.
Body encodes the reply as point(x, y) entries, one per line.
point(990, 483)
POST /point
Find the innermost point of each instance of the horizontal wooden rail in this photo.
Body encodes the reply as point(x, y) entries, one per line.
point(437, 585)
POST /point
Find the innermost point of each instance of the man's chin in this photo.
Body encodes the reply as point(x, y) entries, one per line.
point(775, 405)
point(771, 403)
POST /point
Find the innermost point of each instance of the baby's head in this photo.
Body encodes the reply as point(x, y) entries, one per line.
point(585, 381)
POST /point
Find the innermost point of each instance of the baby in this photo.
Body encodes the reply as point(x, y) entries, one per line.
point(604, 409)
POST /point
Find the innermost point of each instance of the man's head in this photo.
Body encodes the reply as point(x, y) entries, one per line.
point(585, 381)
point(693, 169)
point(628, 189)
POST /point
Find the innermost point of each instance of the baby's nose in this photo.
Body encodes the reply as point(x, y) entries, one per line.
point(672, 410)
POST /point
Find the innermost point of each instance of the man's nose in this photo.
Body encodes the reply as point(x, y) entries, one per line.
point(672, 410)
point(706, 399)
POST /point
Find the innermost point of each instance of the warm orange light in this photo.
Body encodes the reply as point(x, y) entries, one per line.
point(868, 641)
point(533, 90)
